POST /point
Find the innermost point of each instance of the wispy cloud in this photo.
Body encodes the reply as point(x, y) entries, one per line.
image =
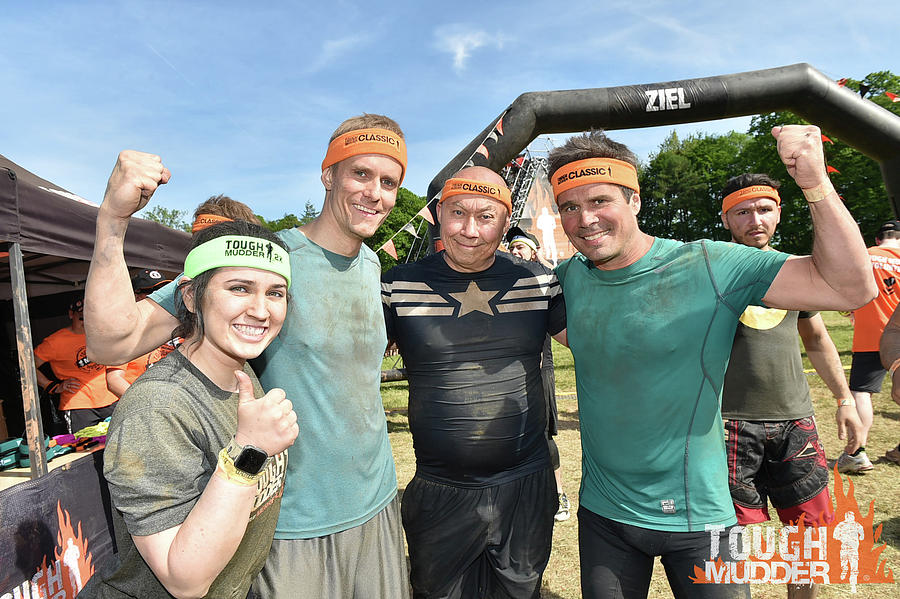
point(333, 50)
point(460, 41)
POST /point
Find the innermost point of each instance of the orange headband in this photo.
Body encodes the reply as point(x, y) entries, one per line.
point(457, 186)
point(594, 170)
point(367, 141)
point(207, 220)
point(749, 193)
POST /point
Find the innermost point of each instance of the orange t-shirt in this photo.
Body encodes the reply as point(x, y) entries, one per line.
point(66, 353)
point(870, 320)
point(139, 365)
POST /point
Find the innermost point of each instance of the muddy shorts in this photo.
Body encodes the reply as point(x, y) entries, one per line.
point(782, 462)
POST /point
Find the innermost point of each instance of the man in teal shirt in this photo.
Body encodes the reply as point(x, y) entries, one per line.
point(651, 323)
point(339, 532)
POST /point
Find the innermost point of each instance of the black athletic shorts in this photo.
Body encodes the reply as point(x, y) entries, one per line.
point(617, 560)
point(488, 542)
point(866, 372)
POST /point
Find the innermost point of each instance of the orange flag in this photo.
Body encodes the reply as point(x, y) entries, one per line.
point(389, 248)
point(893, 97)
point(825, 138)
point(831, 169)
point(426, 214)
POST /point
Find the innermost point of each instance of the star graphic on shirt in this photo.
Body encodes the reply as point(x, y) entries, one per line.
point(474, 300)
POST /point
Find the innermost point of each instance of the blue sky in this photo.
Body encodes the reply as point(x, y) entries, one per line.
point(240, 98)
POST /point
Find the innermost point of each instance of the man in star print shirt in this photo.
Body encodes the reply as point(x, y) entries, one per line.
point(470, 323)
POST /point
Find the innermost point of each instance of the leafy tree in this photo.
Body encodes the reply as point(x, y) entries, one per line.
point(681, 185)
point(858, 180)
point(172, 218)
point(290, 220)
point(408, 204)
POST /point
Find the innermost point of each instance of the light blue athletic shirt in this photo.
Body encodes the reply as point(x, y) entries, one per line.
point(651, 343)
point(327, 359)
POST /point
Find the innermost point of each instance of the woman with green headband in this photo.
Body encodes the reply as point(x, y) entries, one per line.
point(196, 453)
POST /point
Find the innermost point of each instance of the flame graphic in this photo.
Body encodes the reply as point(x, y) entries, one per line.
point(72, 566)
point(870, 568)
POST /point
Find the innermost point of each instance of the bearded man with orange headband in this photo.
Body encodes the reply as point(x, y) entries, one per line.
point(651, 324)
point(772, 443)
point(470, 323)
point(339, 532)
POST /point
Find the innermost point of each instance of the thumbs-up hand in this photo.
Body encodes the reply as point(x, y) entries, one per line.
point(268, 422)
point(132, 182)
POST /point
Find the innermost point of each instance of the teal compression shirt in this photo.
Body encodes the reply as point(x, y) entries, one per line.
point(651, 343)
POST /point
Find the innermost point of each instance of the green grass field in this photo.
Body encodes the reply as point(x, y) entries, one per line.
point(561, 579)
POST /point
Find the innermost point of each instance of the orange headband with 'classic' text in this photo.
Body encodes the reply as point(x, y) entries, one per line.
point(749, 193)
point(367, 141)
point(594, 170)
point(457, 186)
point(207, 220)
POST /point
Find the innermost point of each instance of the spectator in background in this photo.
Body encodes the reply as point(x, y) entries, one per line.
point(867, 372)
point(525, 246)
point(84, 398)
point(890, 359)
point(221, 208)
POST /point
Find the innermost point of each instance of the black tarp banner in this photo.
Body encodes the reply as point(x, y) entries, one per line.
point(55, 531)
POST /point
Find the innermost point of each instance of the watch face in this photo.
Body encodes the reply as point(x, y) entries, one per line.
point(251, 460)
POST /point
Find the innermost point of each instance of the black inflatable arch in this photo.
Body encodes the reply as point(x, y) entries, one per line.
point(799, 88)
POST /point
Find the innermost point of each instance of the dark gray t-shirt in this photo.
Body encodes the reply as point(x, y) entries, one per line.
point(162, 448)
point(765, 379)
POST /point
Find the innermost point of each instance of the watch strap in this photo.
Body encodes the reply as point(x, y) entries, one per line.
point(230, 472)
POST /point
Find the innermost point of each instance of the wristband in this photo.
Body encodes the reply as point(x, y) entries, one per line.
point(228, 470)
point(847, 401)
point(53, 388)
point(817, 193)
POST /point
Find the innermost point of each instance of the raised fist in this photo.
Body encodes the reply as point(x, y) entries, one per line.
point(800, 149)
point(268, 422)
point(133, 180)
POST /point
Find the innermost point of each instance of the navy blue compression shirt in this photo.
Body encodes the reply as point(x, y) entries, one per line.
point(471, 344)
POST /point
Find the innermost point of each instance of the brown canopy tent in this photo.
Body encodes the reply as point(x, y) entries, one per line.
point(48, 237)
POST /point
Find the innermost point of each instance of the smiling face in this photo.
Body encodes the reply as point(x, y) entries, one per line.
point(471, 229)
point(360, 193)
point(753, 222)
point(242, 310)
point(602, 225)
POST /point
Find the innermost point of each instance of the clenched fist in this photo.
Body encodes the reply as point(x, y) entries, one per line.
point(133, 180)
point(800, 149)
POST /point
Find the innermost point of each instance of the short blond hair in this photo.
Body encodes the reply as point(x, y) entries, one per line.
point(367, 121)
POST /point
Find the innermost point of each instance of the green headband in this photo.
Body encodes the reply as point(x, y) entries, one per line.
point(238, 250)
